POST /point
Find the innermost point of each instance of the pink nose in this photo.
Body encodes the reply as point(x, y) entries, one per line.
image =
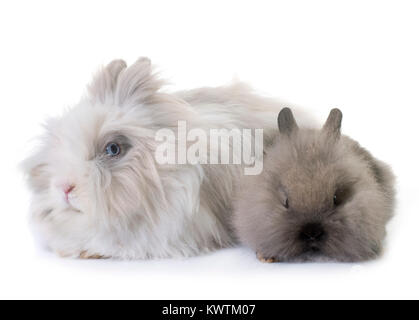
point(67, 189)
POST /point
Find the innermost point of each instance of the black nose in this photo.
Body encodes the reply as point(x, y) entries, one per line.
point(312, 232)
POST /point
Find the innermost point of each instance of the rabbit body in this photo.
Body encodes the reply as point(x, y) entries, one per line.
point(97, 190)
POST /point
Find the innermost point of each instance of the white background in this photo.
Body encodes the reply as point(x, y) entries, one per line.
point(361, 56)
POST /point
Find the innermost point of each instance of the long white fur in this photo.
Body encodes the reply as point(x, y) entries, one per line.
point(136, 208)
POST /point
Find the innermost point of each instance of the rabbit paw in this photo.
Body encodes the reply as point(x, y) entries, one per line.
point(266, 260)
point(87, 255)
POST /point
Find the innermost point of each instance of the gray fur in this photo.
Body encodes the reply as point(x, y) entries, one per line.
point(308, 168)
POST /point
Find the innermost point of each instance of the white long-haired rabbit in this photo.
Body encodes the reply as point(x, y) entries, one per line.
point(97, 188)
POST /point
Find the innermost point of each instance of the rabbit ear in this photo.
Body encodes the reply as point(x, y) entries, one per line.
point(138, 83)
point(333, 123)
point(104, 83)
point(121, 85)
point(286, 122)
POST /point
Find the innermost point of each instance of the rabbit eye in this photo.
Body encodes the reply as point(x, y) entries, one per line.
point(342, 195)
point(338, 199)
point(286, 204)
point(113, 149)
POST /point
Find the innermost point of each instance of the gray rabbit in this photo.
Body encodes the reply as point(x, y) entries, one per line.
point(321, 197)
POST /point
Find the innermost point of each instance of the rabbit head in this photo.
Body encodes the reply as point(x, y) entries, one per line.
point(321, 197)
point(94, 178)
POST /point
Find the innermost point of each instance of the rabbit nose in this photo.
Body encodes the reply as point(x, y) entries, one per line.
point(312, 232)
point(68, 188)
